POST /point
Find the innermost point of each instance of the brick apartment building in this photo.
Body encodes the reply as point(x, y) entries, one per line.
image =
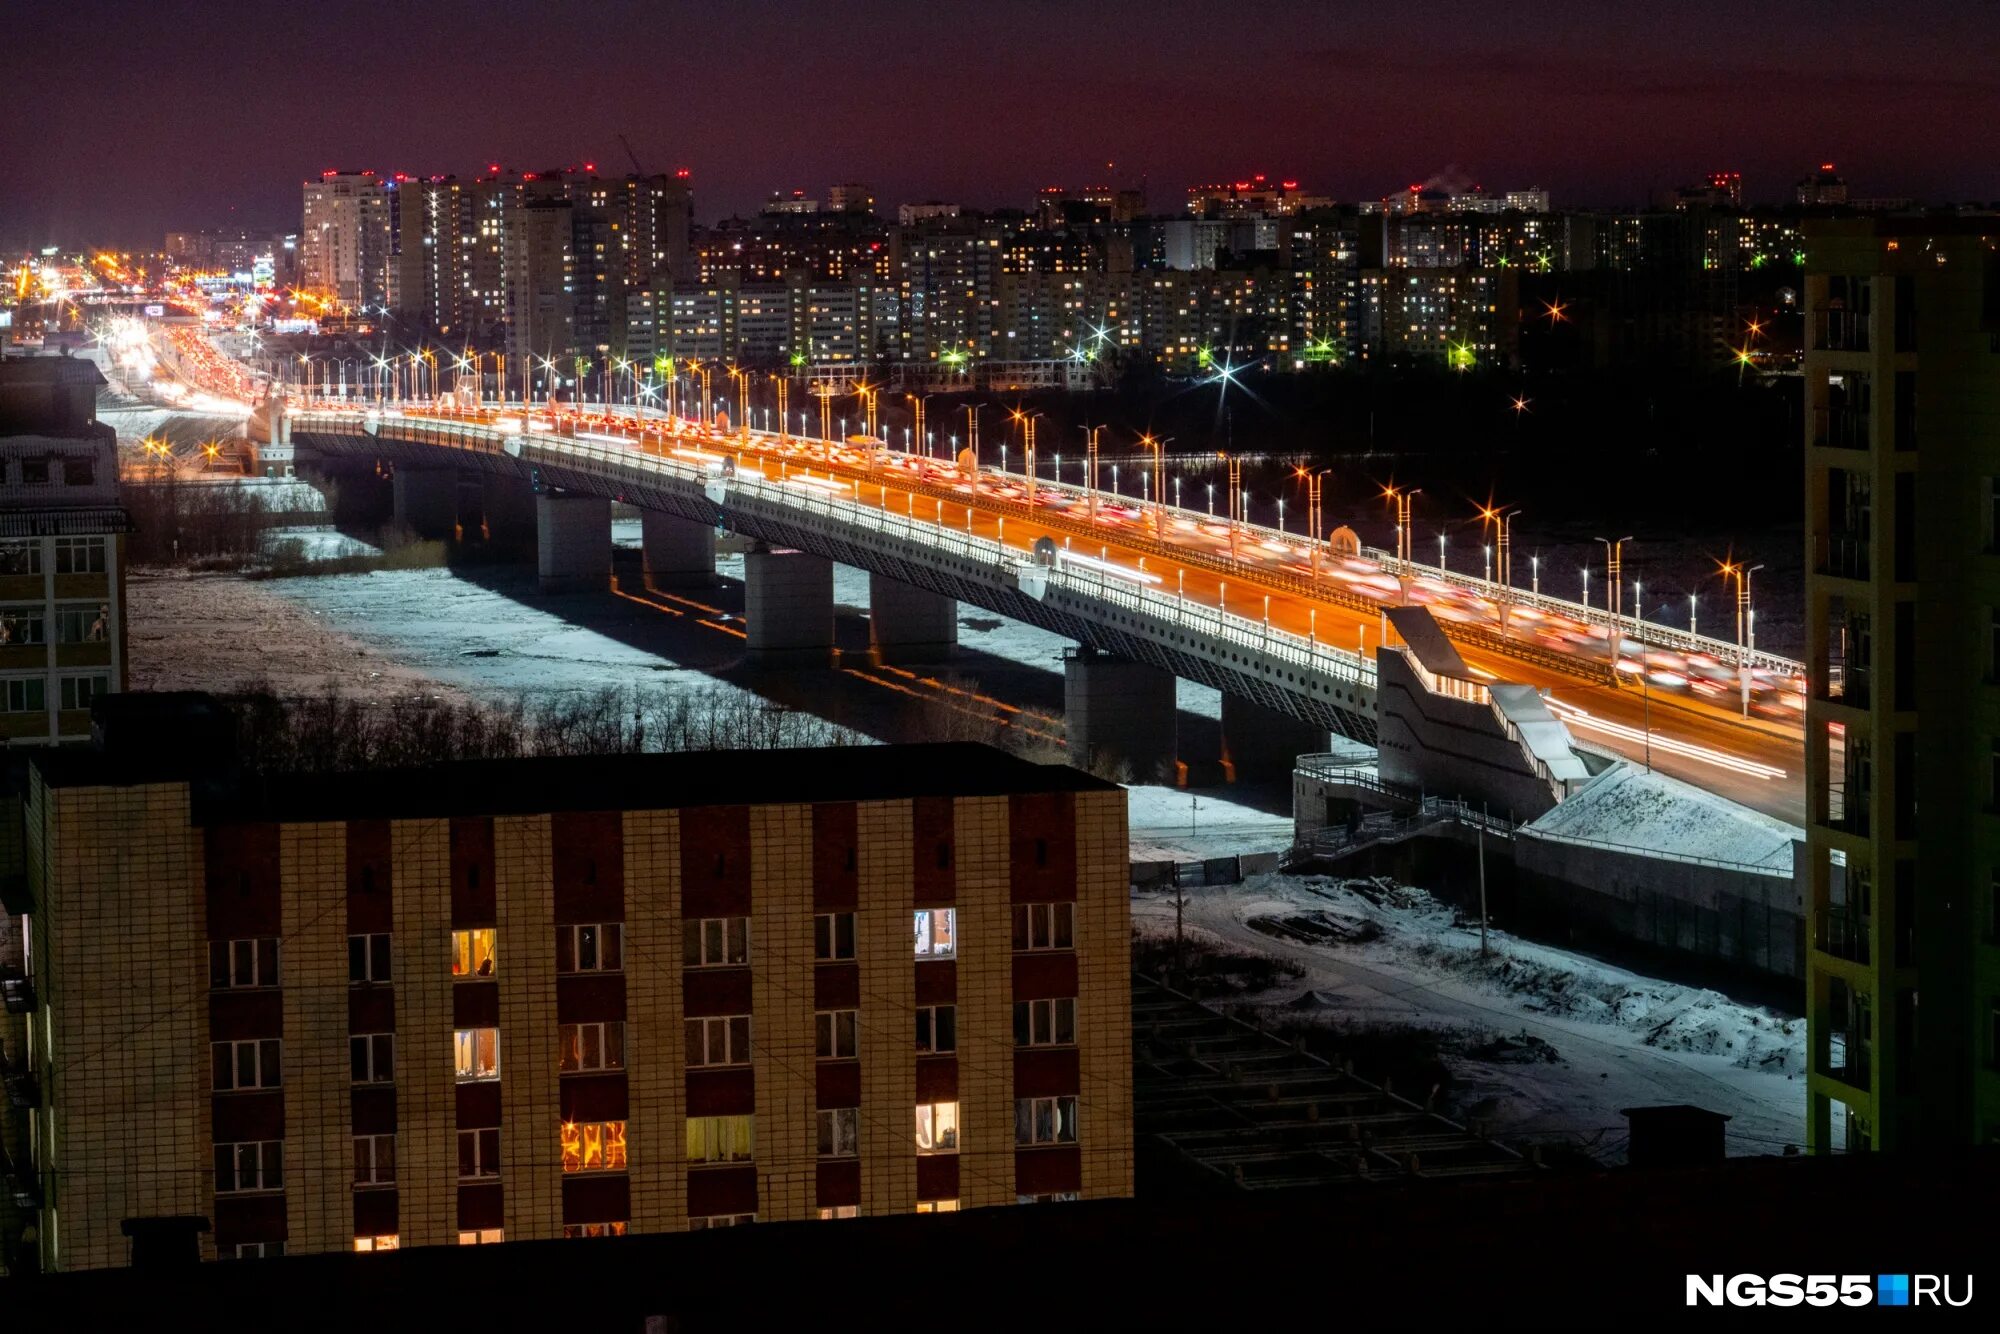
point(545, 998)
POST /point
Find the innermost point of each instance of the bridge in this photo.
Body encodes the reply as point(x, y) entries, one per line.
point(1150, 592)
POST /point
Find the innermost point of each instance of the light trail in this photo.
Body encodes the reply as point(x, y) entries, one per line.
point(1580, 719)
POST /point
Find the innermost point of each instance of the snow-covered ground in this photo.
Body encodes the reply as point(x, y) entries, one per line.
point(1630, 807)
point(320, 542)
point(1376, 954)
point(1173, 824)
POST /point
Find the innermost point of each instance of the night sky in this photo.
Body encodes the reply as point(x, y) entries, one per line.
point(125, 120)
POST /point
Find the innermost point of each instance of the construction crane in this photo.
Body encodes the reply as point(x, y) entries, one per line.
point(637, 170)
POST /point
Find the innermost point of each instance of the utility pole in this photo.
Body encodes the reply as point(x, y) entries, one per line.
point(1482, 883)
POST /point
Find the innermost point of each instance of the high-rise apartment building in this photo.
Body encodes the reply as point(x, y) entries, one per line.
point(62, 568)
point(539, 236)
point(556, 998)
point(1902, 373)
point(344, 240)
point(433, 234)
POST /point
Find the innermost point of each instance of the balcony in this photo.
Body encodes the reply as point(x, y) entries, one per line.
point(1846, 1059)
point(1840, 331)
point(1847, 808)
point(1846, 685)
point(1843, 555)
point(1844, 935)
point(1840, 428)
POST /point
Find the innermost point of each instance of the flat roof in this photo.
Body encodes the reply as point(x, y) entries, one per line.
point(538, 785)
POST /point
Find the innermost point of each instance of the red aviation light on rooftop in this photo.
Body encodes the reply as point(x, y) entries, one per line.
point(681, 173)
point(590, 166)
point(1826, 166)
point(1289, 185)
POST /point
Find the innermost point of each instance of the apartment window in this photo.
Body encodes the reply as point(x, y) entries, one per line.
point(258, 1250)
point(249, 1166)
point(84, 624)
point(485, 1236)
point(371, 1058)
point(720, 1139)
point(593, 1146)
point(722, 1040)
point(78, 470)
point(1044, 926)
point(479, 1154)
point(827, 1211)
point(594, 1046)
point(1045, 1023)
point(20, 557)
point(937, 1029)
point(1053, 1197)
point(386, 1241)
point(833, 936)
point(374, 1160)
point(235, 964)
point(834, 1032)
point(598, 948)
point(593, 1229)
point(839, 1132)
point(937, 1127)
point(937, 933)
point(245, 1065)
point(715, 942)
point(21, 627)
point(79, 555)
point(472, 952)
point(475, 1054)
point(368, 958)
point(1045, 1120)
point(77, 692)
point(720, 1220)
point(937, 1206)
point(23, 694)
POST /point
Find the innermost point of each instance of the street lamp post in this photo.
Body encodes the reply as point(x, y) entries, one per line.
point(1090, 434)
point(1614, 592)
point(1158, 478)
point(1314, 481)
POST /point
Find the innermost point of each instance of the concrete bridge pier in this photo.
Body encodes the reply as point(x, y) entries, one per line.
point(426, 500)
point(909, 624)
point(1260, 743)
point(1120, 712)
point(788, 604)
point(679, 553)
point(507, 510)
point(573, 543)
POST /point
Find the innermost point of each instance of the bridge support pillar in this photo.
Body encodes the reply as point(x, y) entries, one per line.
point(572, 543)
point(1260, 743)
point(507, 510)
point(909, 624)
point(788, 603)
point(679, 553)
point(426, 500)
point(1120, 712)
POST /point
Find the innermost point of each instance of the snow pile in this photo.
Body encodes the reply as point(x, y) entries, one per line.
point(1650, 812)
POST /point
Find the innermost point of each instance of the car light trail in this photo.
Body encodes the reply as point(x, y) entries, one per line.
point(1587, 722)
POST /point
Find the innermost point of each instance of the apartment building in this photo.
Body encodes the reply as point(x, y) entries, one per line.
point(62, 569)
point(1902, 375)
point(345, 249)
point(554, 998)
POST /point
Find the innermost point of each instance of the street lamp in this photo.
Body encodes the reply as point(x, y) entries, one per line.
point(1746, 624)
point(1441, 540)
point(1159, 472)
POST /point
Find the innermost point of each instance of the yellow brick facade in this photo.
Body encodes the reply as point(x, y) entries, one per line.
point(888, 994)
point(781, 989)
point(1104, 1005)
point(985, 1004)
point(531, 1120)
point(656, 1094)
point(319, 1147)
point(426, 1089)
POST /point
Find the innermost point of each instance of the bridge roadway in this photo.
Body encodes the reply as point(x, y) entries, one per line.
point(1185, 603)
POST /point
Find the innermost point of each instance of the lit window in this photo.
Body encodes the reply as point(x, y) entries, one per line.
point(721, 1040)
point(368, 958)
point(720, 1220)
point(937, 1029)
point(484, 1236)
point(374, 1160)
point(371, 1058)
point(839, 1132)
point(472, 953)
point(596, 1046)
point(937, 1127)
point(720, 1139)
point(839, 1211)
point(593, 1146)
point(834, 1033)
point(937, 933)
point(479, 1154)
point(1045, 1023)
point(1044, 926)
point(1045, 1120)
point(833, 936)
point(598, 948)
point(257, 1250)
point(593, 1229)
point(937, 1206)
point(234, 964)
point(475, 1054)
point(250, 1166)
point(715, 942)
point(252, 1064)
point(387, 1241)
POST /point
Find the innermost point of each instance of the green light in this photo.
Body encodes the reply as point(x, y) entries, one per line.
point(1203, 357)
point(798, 358)
point(1461, 357)
point(1799, 258)
point(1757, 261)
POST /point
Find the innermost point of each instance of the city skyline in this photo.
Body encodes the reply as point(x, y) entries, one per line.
point(1600, 109)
